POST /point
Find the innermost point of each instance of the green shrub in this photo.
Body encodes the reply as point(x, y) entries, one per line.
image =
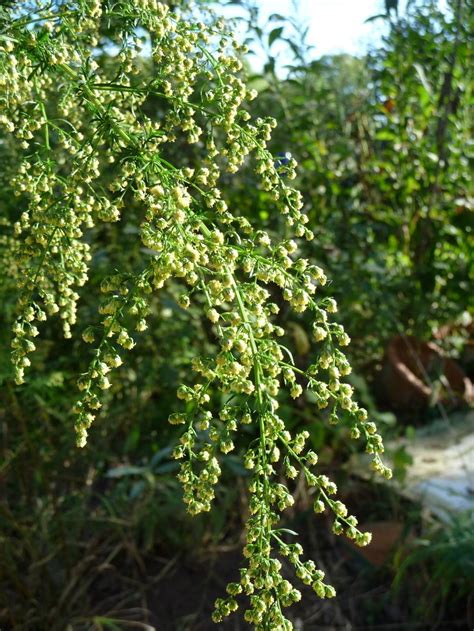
point(385, 148)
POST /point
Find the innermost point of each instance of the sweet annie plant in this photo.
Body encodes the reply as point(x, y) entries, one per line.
point(84, 146)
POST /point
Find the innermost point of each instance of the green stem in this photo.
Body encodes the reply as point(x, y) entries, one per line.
point(258, 375)
point(46, 126)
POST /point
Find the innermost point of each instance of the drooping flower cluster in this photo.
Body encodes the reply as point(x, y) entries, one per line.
point(93, 153)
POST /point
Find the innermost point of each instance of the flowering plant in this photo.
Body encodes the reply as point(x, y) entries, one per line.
point(85, 149)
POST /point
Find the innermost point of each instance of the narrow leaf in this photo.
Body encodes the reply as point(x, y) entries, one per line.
point(274, 35)
point(423, 78)
point(376, 17)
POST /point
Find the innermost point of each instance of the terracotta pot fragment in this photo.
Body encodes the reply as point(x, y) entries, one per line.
point(416, 373)
point(386, 537)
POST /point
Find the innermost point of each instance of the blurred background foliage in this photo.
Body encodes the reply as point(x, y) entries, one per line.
point(384, 144)
point(385, 150)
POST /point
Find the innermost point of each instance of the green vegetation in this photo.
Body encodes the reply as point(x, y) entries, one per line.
point(174, 365)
